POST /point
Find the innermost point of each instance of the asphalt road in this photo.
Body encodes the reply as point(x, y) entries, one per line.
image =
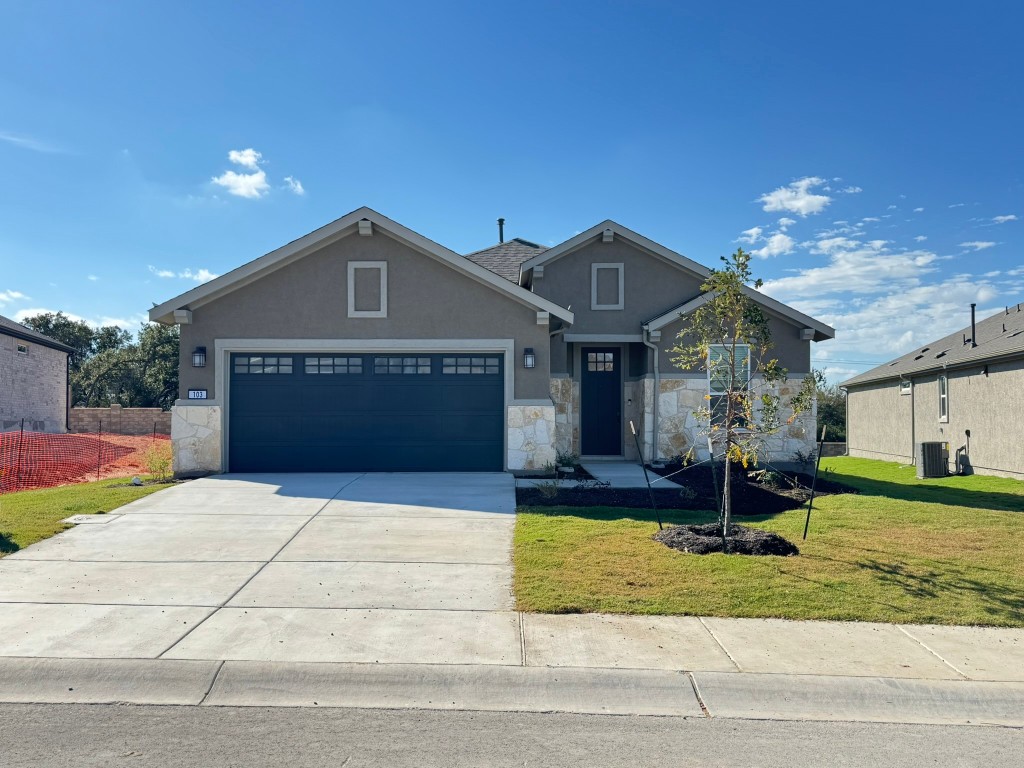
point(51, 735)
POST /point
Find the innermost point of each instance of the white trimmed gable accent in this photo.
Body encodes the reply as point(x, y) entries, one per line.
point(336, 230)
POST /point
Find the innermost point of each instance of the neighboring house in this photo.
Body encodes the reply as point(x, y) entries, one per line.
point(969, 381)
point(366, 346)
point(33, 379)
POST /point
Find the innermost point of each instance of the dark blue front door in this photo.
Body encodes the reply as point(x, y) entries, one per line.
point(601, 401)
point(336, 412)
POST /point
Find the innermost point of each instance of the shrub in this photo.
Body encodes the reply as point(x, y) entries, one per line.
point(157, 459)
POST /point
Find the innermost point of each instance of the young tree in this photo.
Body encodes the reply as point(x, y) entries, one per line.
point(729, 337)
point(832, 411)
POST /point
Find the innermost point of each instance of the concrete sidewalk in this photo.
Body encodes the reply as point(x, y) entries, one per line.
point(625, 474)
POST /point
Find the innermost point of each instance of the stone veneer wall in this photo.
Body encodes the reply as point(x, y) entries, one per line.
point(679, 429)
point(196, 439)
point(565, 394)
point(531, 436)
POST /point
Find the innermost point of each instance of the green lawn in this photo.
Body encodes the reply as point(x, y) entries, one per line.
point(945, 551)
point(29, 516)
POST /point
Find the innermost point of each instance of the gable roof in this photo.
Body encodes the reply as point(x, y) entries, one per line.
point(347, 225)
point(504, 258)
point(621, 232)
point(13, 328)
point(998, 336)
point(821, 331)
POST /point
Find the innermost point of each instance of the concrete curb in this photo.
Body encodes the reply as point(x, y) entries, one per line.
point(456, 687)
point(105, 681)
point(862, 699)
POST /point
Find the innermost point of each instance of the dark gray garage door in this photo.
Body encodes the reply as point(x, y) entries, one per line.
point(306, 412)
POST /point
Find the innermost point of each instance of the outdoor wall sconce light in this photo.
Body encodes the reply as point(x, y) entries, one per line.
point(529, 359)
point(199, 357)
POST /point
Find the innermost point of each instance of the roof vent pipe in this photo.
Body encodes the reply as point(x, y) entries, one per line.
point(501, 230)
point(974, 328)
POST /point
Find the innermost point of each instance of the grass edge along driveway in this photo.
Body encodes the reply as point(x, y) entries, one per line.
point(30, 516)
point(944, 551)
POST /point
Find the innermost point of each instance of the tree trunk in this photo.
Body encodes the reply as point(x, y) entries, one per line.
point(726, 503)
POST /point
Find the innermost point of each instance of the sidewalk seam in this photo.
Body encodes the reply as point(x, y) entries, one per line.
point(522, 638)
point(264, 564)
point(719, 643)
point(696, 692)
point(933, 653)
point(213, 682)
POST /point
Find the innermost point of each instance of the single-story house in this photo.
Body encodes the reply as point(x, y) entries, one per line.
point(33, 379)
point(963, 390)
point(366, 346)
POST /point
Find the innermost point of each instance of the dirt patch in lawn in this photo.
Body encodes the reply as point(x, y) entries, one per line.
point(753, 494)
point(707, 538)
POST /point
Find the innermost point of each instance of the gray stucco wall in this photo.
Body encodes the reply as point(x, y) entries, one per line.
point(879, 423)
point(989, 406)
point(651, 286)
point(427, 299)
point(792, 352)
point(33, 386)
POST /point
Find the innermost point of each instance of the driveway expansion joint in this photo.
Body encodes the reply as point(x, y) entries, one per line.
point(924, 645)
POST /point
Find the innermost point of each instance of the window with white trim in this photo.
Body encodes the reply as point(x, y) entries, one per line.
point(606, 286)
point(367, 289)
point(722, 376)
point(943, 399)
point(905, 387)
point(23, 349)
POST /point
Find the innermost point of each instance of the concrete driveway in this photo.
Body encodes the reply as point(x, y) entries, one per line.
point(389, 568)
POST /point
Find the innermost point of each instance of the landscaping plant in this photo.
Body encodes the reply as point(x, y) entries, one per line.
point(729, 337)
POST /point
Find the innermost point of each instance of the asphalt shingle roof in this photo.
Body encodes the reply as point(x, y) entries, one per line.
point(998, 336)
point(504, 258)
point(19, 331)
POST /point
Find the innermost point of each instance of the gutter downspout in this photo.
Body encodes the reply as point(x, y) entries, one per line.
point(657, 392)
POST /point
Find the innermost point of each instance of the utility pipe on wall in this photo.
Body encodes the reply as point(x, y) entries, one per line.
point(657, 392)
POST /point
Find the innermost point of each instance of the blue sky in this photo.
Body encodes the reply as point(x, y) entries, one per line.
point(870, 154)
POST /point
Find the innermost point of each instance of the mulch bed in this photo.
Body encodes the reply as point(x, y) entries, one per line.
point(698, 493)
point(707, 538)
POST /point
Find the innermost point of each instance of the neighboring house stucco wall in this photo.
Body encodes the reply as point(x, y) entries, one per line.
point(879, 422)
point(307, 299)
point(988, 406)
point(33, 386)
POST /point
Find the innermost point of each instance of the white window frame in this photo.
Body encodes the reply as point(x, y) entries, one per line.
point(382, 267)
point(943, 384)
point(906, 386)
point(619, 267)
point(21, 349)
point(711, 393)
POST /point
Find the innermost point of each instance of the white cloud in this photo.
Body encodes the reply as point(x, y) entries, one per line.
point(918, 210)
point(751, 235)
point(294, 185)
point(93, 278)
point(850, 190)
point(797, 197)
point(977, 245)
point(891, 208)
point(778, 245)
point(247, 158)
point(161, 272)
point(854, 269)
point(200, 275)
point(921, 238)
point(1004, 219)
point(785, 223)
point(870, 218)
point(249, 185)
point(957, 205)
point(27, 142)
point(9, 296)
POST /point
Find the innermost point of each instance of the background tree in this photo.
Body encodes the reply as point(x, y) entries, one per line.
point(111, 365)
point(729, 337)
point(832, 412)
